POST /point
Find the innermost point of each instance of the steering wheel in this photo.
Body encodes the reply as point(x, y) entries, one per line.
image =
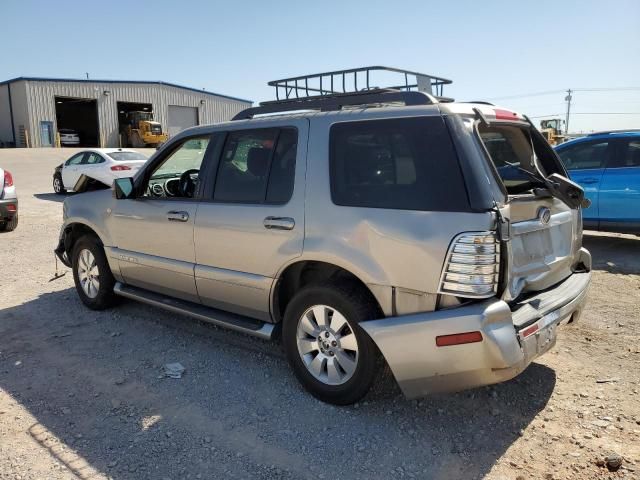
point(186, 184)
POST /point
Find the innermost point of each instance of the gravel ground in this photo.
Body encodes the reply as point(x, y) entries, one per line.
point(82, 393)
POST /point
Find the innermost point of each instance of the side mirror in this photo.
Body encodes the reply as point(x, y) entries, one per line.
point(123, 188)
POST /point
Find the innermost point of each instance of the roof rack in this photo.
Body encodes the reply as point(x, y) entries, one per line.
point(624, 130)
point(352, 87)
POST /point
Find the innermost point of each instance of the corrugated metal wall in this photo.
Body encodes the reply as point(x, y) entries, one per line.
point(41, 103)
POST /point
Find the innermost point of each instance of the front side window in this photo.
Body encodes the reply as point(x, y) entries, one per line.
point(257, 166)
point(585, 155)
point(406, 163)
point(76, 159)
point(177, 174)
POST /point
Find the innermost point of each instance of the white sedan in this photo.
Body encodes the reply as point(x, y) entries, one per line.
point(103, 164)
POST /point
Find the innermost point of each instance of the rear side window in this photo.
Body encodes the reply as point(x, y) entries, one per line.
point(629, 155)
point(585, 155)
point(257, 166)
point(405, 164)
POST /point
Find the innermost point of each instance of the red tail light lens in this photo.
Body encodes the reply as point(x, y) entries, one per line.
point(8, 179)
point(119, 168)
point(505, 114)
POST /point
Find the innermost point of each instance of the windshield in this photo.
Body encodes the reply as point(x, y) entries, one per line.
point(125, 156)
point(511, 150)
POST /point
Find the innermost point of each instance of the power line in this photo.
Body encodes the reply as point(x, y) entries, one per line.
point(551, 92)
point(586, 113)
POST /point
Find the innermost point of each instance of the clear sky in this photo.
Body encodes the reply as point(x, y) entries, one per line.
point(490, 49)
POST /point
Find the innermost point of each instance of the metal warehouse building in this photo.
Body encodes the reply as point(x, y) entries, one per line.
point(32, 110)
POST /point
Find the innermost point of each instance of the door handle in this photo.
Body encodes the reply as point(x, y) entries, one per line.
point(589, 180)
point(279, 223)
point(174, 216)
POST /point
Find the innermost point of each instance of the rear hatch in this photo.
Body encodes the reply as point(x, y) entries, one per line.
point(541, 218)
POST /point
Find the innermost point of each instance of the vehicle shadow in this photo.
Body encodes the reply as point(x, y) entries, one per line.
point(93, 382)
point(613, 253)
point(52, 197)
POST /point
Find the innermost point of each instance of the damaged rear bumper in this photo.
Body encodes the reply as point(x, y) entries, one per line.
point(511, 340)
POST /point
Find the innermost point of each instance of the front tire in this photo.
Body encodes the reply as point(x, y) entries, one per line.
point(58, 186)
point(330, 354)
point(92, 275)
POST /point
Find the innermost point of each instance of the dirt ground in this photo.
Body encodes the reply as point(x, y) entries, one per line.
point(82, 393)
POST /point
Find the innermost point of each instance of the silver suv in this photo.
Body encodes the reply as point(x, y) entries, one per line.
point(378, 225)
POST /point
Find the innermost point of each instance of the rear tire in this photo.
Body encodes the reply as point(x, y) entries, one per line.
point(92, 275)
point(9, 226)
point(58, 186)
point(331, 355)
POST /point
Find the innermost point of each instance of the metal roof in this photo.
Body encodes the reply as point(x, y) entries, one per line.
point(152, 82)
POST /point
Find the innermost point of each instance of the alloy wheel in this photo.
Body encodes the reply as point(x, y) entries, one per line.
point(88, 273)
point(327, 345)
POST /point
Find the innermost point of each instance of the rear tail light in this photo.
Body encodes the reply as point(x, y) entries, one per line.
point(119, 168)
point(8, 179)
point(472, 267)
point(505, 114)
point(11, 208)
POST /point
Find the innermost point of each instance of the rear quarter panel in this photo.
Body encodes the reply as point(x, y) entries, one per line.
point(395, 248)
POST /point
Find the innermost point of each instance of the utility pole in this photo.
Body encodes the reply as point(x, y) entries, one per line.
point(568, 100)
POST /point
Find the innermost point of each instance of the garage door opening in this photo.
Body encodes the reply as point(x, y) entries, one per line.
point(77, 121)
point(181, 118)
point(133, 122)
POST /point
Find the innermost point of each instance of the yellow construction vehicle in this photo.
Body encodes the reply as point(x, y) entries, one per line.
point(551, 130)
point(142, 131)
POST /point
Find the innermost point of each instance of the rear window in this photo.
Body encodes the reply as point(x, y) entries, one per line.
point(406, 164)
point(125, 156)
point(510, 148)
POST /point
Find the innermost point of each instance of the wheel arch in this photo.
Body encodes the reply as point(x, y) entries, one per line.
point(305, 272)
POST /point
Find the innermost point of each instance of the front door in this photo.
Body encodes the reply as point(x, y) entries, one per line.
point(71, 170)
point(252, 222)
point(153, 233)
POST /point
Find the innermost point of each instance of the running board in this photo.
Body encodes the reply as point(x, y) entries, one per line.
point(221, 318)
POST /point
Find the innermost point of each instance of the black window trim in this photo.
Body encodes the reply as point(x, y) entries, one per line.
point(209, 188)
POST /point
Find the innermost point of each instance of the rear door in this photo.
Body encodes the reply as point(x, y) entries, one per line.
point(252, 223)
point(586, 162)
point(620, 188)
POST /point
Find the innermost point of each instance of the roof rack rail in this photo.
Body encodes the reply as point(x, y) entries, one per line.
point(337, 102)
point(346, 81)
point(355, 86)
point(623, 130)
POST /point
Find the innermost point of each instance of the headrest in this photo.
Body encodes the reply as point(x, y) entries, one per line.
point(258, 161)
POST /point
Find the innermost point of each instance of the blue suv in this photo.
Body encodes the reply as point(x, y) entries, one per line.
point(607, 166)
